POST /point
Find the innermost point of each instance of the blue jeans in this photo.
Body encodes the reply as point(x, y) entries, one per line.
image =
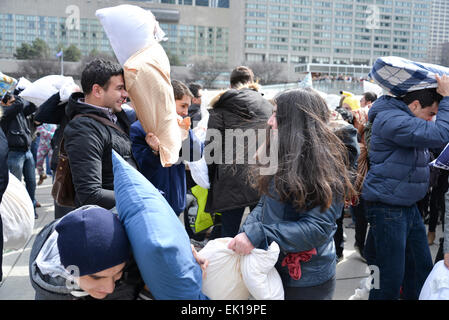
point(397, 245)
point(20, 162)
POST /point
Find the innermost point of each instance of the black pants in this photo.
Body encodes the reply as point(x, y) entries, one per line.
point(61, 211)
point(361, 224)
point(436, 201)
point(323, 291)
point(338, 236)
point(230, 223)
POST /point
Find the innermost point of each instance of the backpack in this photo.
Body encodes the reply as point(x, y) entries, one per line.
point(63, 190)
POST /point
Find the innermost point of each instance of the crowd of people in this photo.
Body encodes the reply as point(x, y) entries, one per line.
point(369, 157)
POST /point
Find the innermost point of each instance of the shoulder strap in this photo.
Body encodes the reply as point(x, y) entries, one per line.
point(103, 120)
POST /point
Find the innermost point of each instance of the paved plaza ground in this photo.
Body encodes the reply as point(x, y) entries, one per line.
point(16, 284)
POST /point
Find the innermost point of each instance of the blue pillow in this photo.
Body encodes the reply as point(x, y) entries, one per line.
point(158, 239)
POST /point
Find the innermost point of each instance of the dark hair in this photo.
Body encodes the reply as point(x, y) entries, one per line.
point(195, 88)
point(426, 97)
point(312, 170)
point(99, 71)
point(180, 90)
point(240, 76)
point(370, 96)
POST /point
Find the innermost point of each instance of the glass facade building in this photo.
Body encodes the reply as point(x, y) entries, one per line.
point(348, 32)
point(19, 28)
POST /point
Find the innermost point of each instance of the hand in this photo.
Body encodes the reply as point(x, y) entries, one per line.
point(204, 263)
point(446, 260)
point(184, 123)
point(152, 141)
point(443, 85)
point(241, 244)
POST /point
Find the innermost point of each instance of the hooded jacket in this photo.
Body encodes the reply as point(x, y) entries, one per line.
point(398, 151)
point(234, 109)
point(89, 145)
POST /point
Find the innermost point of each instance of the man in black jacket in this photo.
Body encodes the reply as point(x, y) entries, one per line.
point(89, 142)
point(18, 134)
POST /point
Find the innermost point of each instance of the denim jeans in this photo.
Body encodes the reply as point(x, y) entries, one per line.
point(20, 162)
point(397, 245)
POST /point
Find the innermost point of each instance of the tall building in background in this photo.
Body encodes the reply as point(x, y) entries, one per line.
point(291, 32)
point(343, 32)
point(445, 54)
point(439, 32)
point(193, 27)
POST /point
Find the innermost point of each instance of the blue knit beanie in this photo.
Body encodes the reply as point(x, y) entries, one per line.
point(92, 239)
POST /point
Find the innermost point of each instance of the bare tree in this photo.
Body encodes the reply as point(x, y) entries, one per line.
point(206, 70)
point(38, 68)
point(94, 54)
point(269, 72)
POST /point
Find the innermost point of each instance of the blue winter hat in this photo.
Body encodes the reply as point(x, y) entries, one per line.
point(92, 239)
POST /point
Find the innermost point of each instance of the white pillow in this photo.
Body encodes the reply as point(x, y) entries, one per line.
point(40, 90)
point(23, 83)
point(436, 286)
point(260, 276)
point(129, 29)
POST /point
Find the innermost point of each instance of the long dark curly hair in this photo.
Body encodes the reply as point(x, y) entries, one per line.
point(312, 160)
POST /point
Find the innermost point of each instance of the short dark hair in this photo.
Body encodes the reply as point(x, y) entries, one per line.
point(241, 75)
point(370, 96)
point(426, 97)
point(195, 88)
point(99, 71)
point(180, 90)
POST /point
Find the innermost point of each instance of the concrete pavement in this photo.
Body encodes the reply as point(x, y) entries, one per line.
point(16, 284)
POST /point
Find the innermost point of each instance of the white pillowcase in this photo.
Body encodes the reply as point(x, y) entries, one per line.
point(129, 29)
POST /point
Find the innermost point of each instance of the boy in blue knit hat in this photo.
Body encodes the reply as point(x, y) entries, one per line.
point(85, 254)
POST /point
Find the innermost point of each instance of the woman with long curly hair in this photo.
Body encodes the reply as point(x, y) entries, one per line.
point(301, 201)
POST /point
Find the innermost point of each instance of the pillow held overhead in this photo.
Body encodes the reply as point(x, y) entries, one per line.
point(134, 34)
point(399, 76)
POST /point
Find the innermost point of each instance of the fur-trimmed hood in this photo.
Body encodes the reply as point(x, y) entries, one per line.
point(253, 86)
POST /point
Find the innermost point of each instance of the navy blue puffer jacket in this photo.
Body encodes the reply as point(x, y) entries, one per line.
point(398, 151)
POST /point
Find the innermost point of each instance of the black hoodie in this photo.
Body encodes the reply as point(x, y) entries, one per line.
point(89, 145)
